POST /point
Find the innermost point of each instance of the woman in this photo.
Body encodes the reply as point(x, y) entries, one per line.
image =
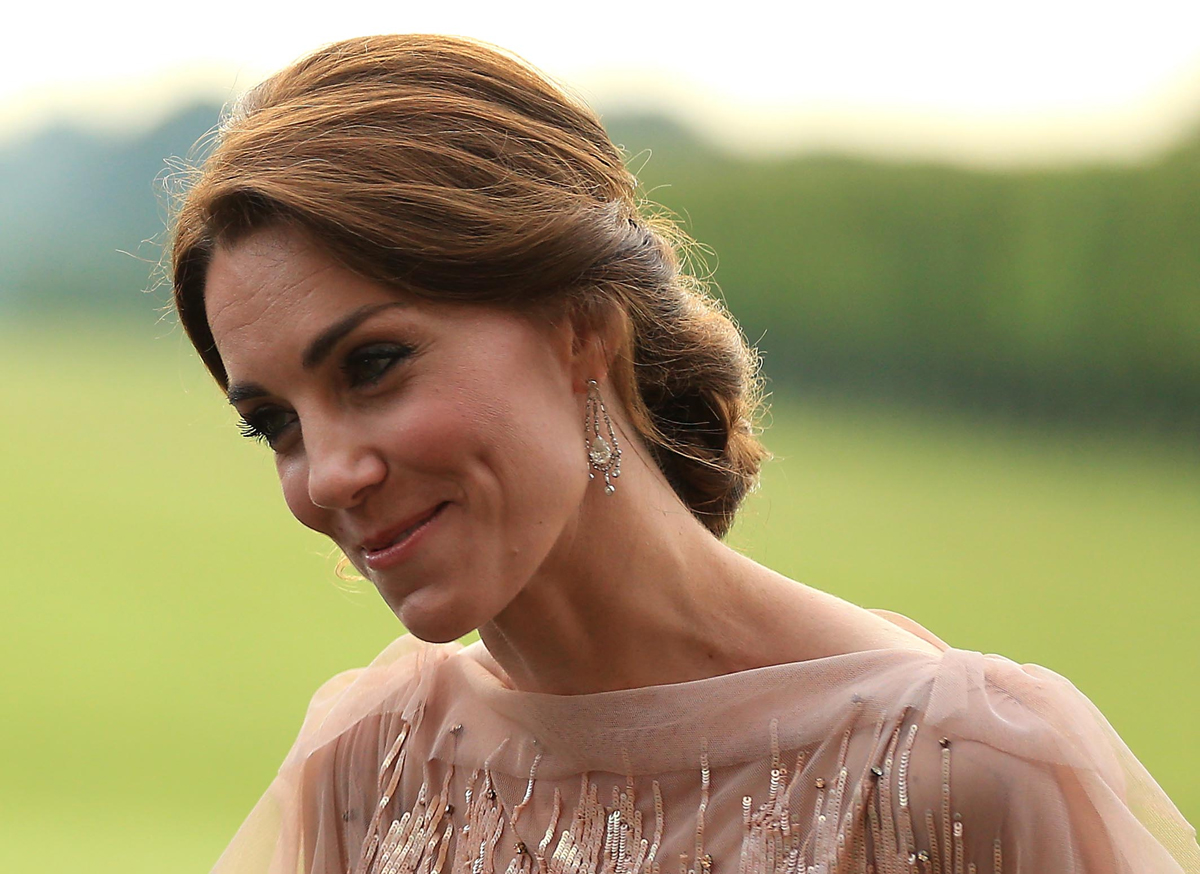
point(420, 273)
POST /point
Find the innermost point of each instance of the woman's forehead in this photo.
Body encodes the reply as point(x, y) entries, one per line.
point(276, 279)
point(274, 291)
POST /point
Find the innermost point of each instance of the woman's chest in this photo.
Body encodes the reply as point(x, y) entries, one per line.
point(836, 806)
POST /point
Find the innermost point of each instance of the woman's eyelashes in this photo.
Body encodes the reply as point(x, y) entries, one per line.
point(366, 365)
point(362, 368)
point(267, 424)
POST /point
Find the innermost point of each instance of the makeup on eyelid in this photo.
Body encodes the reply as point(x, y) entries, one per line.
point(253, 424)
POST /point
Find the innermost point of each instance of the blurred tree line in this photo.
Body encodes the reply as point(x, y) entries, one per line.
point(1054, 293)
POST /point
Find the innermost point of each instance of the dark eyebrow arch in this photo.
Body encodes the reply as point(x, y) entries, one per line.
point(318, 350)
point(245, 391)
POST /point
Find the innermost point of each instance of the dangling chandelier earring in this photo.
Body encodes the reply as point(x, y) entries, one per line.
point(603, 455)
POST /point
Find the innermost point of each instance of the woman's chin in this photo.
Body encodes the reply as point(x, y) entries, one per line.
point(435, 620)
point(442, 634)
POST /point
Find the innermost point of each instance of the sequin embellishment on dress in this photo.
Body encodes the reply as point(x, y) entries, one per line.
point(867, 833)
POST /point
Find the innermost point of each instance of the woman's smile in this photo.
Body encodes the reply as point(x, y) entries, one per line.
point(386, 550)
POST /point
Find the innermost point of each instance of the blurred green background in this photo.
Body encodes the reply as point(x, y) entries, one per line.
point(986, 399)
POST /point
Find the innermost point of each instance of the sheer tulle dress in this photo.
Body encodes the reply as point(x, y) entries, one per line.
point(890, 760)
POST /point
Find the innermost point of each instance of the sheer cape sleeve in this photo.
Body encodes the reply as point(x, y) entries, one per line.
point(1014, 770)
point(880, 762)
point(309, 818)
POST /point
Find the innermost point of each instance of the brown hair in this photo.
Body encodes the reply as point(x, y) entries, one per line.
point(452, 170)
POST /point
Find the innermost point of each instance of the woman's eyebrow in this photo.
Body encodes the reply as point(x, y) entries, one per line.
point(318, 350)
point(244, 391)
point(320, 347)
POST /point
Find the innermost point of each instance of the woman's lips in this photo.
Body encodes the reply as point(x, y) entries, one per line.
point(396, 549)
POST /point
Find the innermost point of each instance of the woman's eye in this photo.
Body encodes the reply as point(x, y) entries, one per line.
point(267, 424)
point(367, 365)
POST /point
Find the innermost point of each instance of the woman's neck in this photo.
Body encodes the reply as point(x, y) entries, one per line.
point(637, 592)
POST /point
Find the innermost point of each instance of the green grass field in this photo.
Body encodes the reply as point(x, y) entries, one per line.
point(166, 620)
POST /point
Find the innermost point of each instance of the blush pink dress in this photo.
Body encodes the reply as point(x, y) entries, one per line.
point(893, 761)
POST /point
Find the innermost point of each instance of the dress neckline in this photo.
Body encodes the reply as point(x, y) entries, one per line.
point(476, 652)
point(652, 729)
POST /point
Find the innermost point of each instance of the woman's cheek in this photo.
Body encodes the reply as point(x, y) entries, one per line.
point(293, 480)
point(438, 437)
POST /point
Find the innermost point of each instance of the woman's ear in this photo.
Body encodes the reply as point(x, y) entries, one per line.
point(599, 335)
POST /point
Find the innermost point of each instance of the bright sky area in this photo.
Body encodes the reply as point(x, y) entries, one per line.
point(989, 82)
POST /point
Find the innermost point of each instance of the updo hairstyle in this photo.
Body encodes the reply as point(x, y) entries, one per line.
point(453, 171)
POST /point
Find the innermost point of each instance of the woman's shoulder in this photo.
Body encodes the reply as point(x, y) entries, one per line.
point(394, 683)
point(334, 756)
point(1021, 710)
point(977, 694)
point(1002, 758)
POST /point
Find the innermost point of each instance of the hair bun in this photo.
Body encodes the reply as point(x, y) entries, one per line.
point(453, 170)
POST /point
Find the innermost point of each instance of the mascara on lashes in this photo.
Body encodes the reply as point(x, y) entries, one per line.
point(254, 425)
point(388, 353)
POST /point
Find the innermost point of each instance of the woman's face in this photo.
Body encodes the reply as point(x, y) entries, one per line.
point(439, 445)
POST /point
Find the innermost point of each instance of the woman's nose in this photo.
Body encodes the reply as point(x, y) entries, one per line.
point(341, 469)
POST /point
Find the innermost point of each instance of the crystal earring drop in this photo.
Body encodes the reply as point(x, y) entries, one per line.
point(604, 455)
